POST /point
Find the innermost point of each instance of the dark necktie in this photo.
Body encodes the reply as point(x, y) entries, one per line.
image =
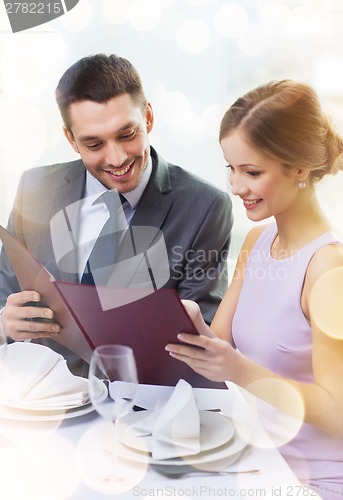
point(104, 250)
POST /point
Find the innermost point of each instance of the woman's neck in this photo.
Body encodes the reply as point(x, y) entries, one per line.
point(299, 226)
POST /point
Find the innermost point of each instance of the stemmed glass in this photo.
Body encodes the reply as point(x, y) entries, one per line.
point(3, 346)
point(115, 367)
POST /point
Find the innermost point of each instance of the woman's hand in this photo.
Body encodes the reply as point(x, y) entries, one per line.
point(215, 360)
point(193, 311)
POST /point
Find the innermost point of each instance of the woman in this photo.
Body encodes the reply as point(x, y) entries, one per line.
point(278, 144)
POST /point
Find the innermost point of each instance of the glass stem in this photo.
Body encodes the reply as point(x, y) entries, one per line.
point(114, 445)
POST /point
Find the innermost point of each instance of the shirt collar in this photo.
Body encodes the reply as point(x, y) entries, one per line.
point(94, 188)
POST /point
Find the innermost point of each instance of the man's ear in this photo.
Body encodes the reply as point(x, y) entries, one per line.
point(149, 117)
point(70, 138)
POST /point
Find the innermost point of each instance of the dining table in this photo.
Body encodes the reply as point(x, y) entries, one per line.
point(63, 459)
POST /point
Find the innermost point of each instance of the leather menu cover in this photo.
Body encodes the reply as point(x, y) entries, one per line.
point(146, 324)
point(32, 275)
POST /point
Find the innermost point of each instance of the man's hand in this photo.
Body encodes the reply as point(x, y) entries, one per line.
point(22, 320)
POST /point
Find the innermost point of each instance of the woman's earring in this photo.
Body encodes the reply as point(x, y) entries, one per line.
point(302, 184)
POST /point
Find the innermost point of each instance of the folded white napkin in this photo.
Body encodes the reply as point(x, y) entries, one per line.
point(35, 375)
point(174, 425)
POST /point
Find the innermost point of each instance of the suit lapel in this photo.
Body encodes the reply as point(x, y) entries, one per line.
point(71, 187)
point(154, 205)
point(65, 221)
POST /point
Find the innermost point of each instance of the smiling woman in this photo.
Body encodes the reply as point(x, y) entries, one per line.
point(266, 335)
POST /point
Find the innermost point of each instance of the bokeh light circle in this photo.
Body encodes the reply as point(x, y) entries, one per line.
point(274, 17)
point(231, 20)
point(309, 24)
point(166, 3)
point(26, 62)
point(47, 470)
point(144, 16)
point(211, 118)
point(193, 36)
point(256, 41)
point(21, 124)
point(198, 2)
point(326, 303)
point(116, 12)
point(187, 127)
point(172, 104)
point(282, 419)
point(94, 462)
point(79, 17)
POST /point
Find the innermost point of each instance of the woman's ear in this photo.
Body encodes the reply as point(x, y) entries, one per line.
point(303, 173)
point(70, 138)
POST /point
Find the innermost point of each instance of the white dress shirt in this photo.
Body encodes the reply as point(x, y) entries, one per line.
point(93, 215)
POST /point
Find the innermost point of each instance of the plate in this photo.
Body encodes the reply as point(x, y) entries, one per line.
point(39, 407)
point(215, 430)
point(12, 413)
point(228, 453)
point(9, 413)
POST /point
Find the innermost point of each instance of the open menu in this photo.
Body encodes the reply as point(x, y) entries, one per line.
point(146, 324)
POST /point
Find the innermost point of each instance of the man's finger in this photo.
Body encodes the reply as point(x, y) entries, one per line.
point(22, 298)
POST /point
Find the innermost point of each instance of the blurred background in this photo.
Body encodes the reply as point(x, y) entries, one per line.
point(195, 58)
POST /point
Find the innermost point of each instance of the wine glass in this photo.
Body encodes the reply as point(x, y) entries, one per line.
point(3, 345)
point(113, 366)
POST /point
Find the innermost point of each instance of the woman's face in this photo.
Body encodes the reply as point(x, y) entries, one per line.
point(259, 180)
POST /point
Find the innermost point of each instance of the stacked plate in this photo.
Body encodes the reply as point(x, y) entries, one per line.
point(36, 384)
point(220, 443)
point(57, 408)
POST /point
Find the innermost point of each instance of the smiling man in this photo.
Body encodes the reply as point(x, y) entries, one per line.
point(107, 120)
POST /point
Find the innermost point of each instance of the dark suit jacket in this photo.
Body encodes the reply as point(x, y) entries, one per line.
point(194, 217)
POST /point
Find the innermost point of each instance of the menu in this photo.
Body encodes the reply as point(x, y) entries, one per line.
point(146, 324)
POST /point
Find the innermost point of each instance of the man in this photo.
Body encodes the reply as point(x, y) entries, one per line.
point(107, 120)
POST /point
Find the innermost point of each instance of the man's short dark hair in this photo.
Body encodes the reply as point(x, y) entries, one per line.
point(98, 78)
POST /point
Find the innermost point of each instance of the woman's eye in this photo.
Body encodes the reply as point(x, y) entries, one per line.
point(230, 167)
point(253, 173)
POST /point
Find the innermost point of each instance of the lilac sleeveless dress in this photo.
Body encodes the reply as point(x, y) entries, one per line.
point(270, 328)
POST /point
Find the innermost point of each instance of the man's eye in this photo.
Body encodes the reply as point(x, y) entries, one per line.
point(128, 136)
point(93, 147)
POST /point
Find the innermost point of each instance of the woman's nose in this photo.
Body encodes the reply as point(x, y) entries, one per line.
point(238, 186)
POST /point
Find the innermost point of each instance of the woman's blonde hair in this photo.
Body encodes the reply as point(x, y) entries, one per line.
point(284, 119)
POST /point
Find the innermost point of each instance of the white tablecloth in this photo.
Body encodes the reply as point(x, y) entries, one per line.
point(43, 460)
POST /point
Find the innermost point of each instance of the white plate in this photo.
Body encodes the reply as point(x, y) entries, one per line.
point(11, 413)
point(215, 430)
point(41, 416)
point(41, 407)
point(228, 452)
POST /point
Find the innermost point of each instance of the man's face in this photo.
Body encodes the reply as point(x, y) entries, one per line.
point(112, 140)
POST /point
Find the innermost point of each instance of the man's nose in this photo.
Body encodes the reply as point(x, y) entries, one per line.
point(115, 155)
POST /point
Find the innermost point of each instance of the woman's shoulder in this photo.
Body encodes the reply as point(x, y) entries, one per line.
point(254, 234)
point(325, 259)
